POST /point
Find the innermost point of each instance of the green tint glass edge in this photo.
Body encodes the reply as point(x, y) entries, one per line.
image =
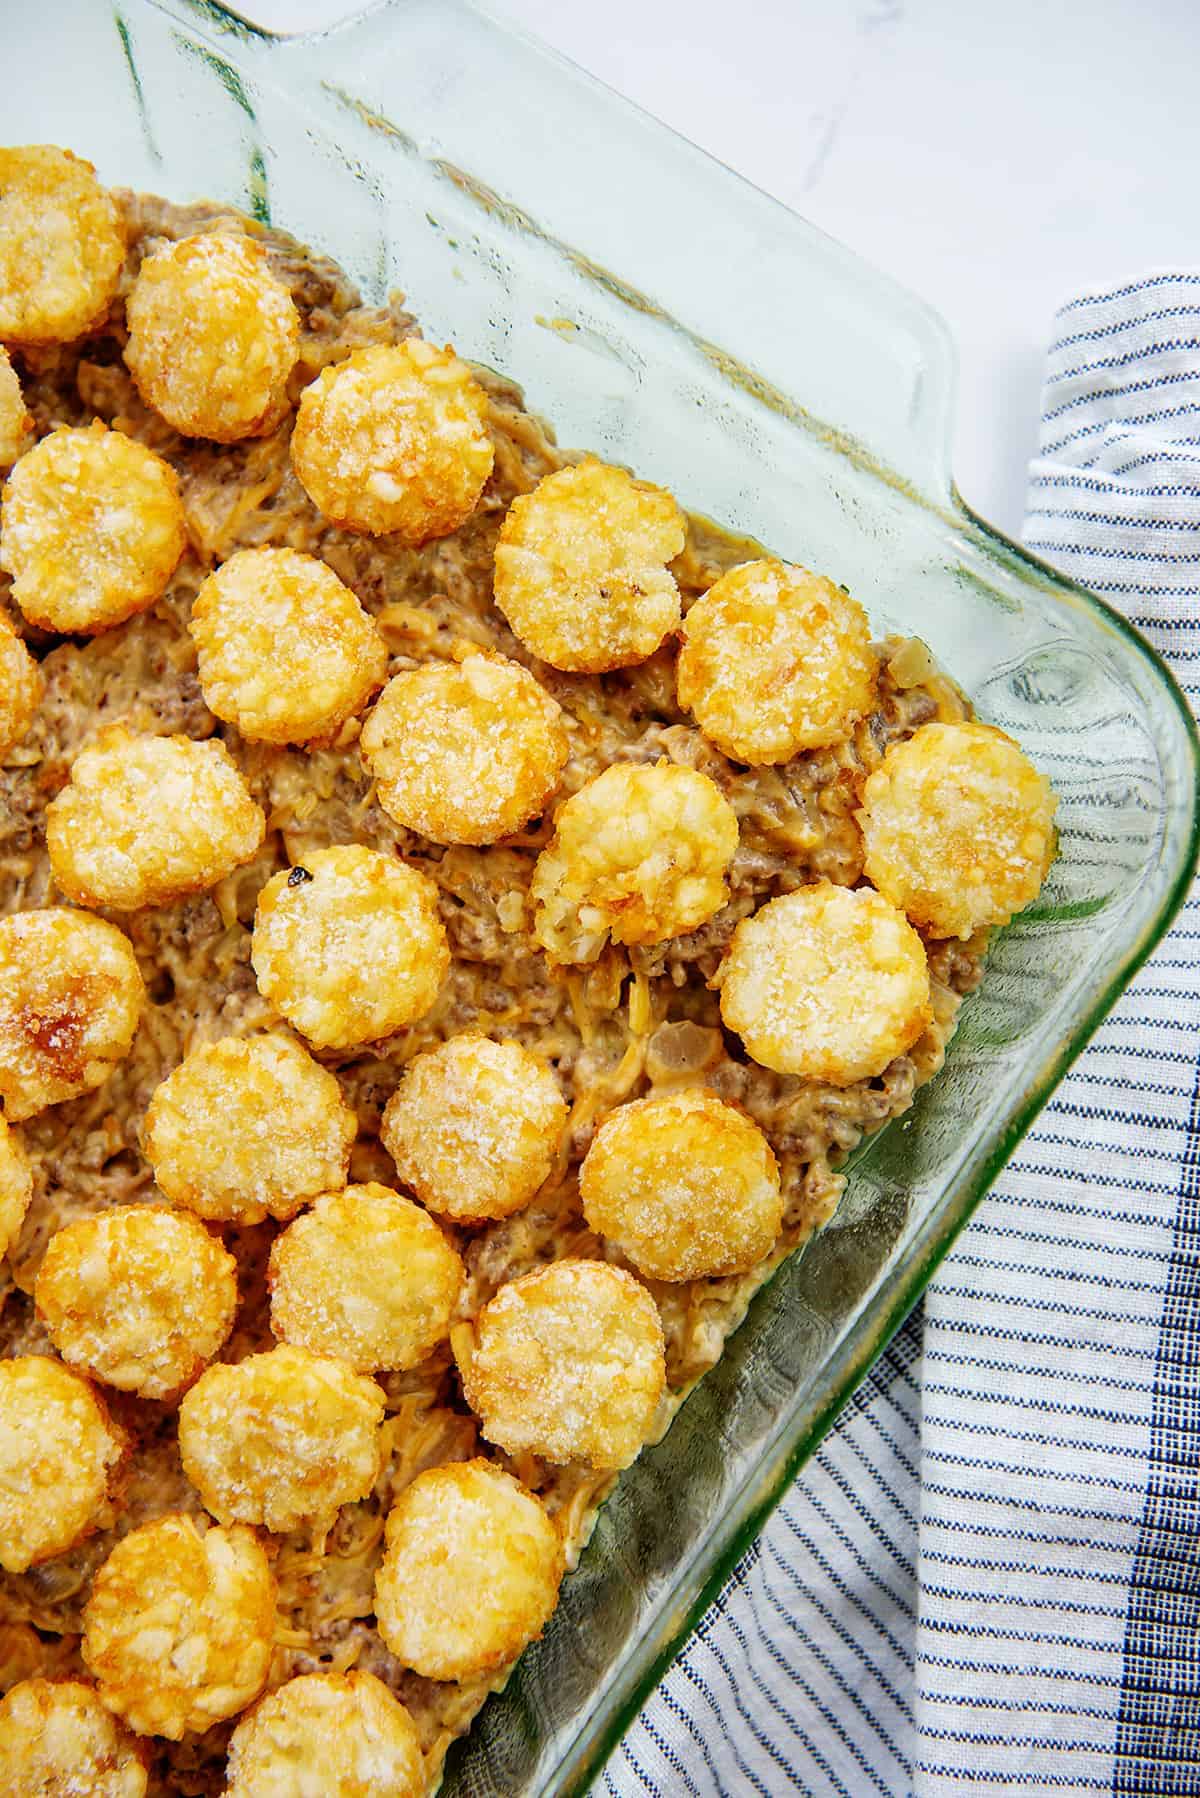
point(869, 1335)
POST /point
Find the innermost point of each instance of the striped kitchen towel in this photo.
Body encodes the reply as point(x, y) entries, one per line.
point(988, 1578)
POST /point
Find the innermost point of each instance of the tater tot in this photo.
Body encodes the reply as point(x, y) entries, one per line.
point(147, 820)
point(246, 1127)
point(638, 854)
point(775, 660)
point(350, 947)
point(281, 1439)
point(15, 421)
point(16, 1187)
point(568, 1363)
point(366, 1275)
point(474, 1127)
point(58, 1741)
point(21, 687)
point(179, 1629)
point(684, 1185)
point(139, 1298)
point(581, 568)
point(959, 828)
point(829, 982)
point(91, 529)
point(394, 440)
point(59, 1452)
point(213, 337)
point(470, 1571)
point(285, 650)
point(71, 997)
point(466, 753)
point(327, 1735)
point(61, 245)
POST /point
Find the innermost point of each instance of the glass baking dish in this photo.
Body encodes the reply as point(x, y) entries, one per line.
point(664, 313)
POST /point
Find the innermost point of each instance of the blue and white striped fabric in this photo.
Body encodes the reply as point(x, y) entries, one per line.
point(988, 1579)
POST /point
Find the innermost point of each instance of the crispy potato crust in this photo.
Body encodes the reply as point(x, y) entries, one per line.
point(581, 567)
point(684, 1185)
point(474, 1126)
point(139, 1298)
point(21, 687)
point(365, 1276)
point(285, 650)
point(959, 828)
point(568, 1363)
point(178, 1630)
point(145, 820)
point(58, 1741)
point(350, 947)
point(91, 529)
point(602, 1029)
point(282, 1439)
point(466, 753)
point(775, 660)
point(639, 855)
point(394, 439)
point(470, 1572)
point(828, 982)
point(71, 997)
point(16, 1186)
point(61, 245)
point(59, 1452)
point(213, 337)
point(15, 420)
point(246, 1127)
point(339, 1735)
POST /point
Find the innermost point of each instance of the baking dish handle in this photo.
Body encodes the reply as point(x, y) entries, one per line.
point(783, 311)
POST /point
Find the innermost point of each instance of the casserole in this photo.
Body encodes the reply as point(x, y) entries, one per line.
point(665, 314)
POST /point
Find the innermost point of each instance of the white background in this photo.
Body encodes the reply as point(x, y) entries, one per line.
point(994, 155)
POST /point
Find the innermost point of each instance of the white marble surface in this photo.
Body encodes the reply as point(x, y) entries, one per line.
point(994, 155)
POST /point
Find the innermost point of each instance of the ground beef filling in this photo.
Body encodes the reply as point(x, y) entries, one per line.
point(635, 1019)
